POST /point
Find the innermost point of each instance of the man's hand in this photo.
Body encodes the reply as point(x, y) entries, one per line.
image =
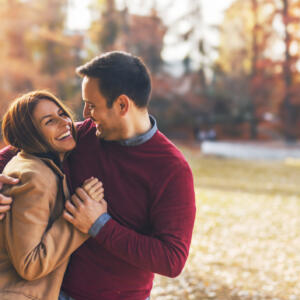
point(84, 211)
point(5, 201)
point(4, 179)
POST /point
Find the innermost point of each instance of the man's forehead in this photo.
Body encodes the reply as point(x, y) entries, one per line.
point(87, 88)
point(89, 81)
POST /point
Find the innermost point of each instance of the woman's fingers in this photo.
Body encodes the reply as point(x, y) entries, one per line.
point(97, 193)
point(97, 196)
point(87, 185)
point(88, 180)
point(94, 188)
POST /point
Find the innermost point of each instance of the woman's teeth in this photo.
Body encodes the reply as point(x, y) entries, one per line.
point(64, 135)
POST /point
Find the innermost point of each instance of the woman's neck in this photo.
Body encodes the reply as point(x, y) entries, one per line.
point(61, 156)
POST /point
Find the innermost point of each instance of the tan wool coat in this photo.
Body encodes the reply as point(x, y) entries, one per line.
point(35, 240)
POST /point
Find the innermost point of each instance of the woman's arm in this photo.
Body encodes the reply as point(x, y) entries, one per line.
point(34, 250)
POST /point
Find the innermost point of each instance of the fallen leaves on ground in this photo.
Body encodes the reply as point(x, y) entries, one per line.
point(246, 241)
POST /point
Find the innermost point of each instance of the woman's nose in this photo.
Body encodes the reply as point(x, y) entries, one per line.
point(65, 121)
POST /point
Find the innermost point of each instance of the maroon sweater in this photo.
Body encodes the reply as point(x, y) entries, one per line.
point(150, 194)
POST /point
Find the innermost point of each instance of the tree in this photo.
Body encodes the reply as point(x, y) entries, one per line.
point(119, 29)
point(248, 57)
point(291, 107)
point(105, 24)
point(37, 52)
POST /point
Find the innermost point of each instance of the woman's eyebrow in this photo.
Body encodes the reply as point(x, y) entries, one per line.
point(50, 115)
point(44, 117)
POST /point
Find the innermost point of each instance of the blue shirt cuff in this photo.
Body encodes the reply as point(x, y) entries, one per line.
point(98, 224)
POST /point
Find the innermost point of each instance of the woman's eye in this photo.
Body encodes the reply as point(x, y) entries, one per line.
point(49, 121)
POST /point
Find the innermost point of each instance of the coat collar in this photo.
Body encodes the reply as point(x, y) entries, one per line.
point(49, 159)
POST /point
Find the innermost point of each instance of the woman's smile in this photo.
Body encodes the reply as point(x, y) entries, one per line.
point(55, 126)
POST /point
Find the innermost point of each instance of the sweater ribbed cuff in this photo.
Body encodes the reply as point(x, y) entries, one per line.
point(98, 224)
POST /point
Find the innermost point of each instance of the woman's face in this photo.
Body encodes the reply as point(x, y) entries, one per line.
point(55, 126)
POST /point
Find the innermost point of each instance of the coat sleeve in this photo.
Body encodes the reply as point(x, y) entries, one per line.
point(172, 218)
point(34, 249)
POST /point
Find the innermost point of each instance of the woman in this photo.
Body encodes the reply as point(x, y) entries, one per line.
point(35, 240)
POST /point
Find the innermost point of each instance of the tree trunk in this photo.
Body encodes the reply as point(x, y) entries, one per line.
point(255, 53)
point(288, 109)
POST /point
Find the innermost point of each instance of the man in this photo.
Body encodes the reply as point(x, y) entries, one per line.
point(148, 187)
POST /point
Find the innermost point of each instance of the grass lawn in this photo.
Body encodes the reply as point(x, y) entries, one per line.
point(246, 242)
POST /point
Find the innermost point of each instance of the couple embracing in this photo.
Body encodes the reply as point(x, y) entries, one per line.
point(97, 207)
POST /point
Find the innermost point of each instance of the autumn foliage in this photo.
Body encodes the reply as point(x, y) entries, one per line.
point(251, 90)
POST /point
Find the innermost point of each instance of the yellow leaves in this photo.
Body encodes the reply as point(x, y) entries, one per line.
point(294, 162)
point(246, 241)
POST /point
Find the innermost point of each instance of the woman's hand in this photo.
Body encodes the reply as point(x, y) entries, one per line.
point(94, 188)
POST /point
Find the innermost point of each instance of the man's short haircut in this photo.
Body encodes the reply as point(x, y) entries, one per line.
point(19, 128)
point(119, 73)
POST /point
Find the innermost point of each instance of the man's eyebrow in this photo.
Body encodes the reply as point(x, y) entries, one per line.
point(87, 101)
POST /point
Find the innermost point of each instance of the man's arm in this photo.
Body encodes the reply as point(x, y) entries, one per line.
point(5, 201)
point(6, 155)
point(172, 219)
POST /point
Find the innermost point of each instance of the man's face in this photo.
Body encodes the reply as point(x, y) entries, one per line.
point(107, 120)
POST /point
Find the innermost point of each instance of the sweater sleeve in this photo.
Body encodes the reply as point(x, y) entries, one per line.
point(172, 219)
point(6, 154)
point(34, 249)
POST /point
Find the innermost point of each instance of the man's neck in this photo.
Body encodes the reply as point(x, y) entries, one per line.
point(142, 137)
point(138, 125)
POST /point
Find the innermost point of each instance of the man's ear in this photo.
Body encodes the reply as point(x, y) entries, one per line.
point(123, 103)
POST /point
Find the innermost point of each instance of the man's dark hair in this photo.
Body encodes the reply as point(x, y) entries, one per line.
point(119, 73)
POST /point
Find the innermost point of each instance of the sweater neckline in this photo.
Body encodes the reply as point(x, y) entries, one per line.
point(142, 138)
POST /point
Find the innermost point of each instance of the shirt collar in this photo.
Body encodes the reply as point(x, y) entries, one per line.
point(141, 139)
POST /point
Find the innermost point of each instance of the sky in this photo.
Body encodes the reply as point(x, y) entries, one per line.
point(212, 14)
